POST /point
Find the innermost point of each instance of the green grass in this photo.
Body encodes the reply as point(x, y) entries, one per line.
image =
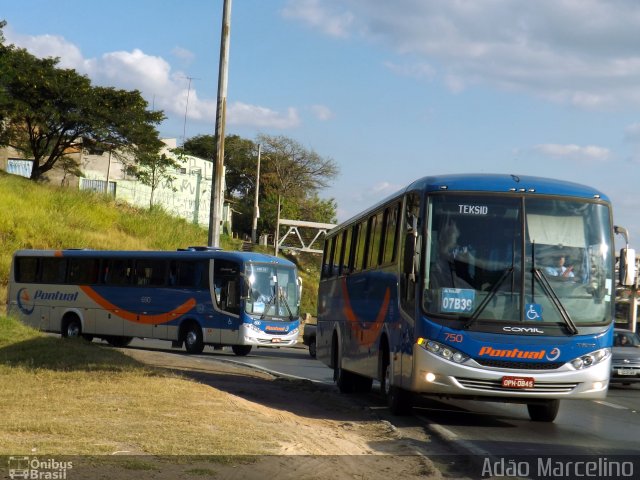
point(49, 217)
point(70, 397)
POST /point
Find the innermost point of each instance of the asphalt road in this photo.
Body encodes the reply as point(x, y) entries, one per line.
point(596, 428)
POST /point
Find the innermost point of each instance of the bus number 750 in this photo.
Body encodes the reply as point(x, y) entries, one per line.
point(453, 337)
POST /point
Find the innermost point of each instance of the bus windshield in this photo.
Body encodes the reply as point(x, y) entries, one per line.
point(273, 291)
point(509, 259)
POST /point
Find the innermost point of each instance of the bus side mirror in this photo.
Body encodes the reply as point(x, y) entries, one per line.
point(627, 267)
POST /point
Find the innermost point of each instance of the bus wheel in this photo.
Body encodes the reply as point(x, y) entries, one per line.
point(193, 339)
point(72, 327)
point(398, 399)
point(241, 350)
point(312, 349)
point(543, 412)
point(119, 341)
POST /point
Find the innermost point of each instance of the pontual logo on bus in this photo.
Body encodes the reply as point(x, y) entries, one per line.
point(26, 303)
point(271, 328)
point(512, 353)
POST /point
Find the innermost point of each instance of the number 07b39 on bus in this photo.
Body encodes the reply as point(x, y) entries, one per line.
point(492, 287)
point(195, 297)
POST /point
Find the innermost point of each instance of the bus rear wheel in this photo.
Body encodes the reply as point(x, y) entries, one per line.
point(543, 412)
point(193, 339)
point(241, 350)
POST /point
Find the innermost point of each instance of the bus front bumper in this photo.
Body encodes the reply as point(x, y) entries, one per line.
point(435, 375)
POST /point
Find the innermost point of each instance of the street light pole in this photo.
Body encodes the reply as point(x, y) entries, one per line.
point(256, 212)
point(215, 216)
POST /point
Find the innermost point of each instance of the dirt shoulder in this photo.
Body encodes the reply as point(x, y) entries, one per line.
point(315, 432)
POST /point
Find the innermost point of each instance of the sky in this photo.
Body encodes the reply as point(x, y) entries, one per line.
point(390, 90)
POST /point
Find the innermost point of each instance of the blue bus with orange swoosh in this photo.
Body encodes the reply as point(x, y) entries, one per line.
point(197, 296)
point(493, 287)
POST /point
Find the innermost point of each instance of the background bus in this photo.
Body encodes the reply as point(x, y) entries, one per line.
point(494, 287)
point(198, 296)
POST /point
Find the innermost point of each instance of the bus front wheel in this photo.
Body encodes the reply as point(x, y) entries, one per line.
point(120, 342)
point(72, 327)
point(543, 412)
point(241, 350)
point(398, 399)
point(193, 339)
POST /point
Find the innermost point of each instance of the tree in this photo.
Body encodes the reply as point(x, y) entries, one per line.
point(292, 170)
point(288, 170)
point(48, 111)
point(152, 170)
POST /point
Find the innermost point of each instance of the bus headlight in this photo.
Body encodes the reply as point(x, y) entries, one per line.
point(444, 351)
point(253, 327)
point(590, 359)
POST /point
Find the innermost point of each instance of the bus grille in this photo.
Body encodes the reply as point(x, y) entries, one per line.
point(496, 386)
point(519, 365)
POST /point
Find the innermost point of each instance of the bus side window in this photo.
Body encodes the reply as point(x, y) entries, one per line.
point(82, 271)
point(26, 269)
point(117, 272)
point(53, 269)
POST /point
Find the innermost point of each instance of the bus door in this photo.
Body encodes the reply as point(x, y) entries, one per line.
point(411, 238)
point(226, 282)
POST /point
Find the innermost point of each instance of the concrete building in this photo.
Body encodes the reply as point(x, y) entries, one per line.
point(187, 196)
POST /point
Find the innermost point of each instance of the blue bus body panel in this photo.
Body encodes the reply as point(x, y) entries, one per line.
point(517, 347)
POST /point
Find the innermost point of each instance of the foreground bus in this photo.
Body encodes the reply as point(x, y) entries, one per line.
point(194, 297)
point(454, 287)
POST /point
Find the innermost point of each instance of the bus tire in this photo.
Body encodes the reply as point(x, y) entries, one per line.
point(312, 348)
point(398, 399)
point(543, 412)
point(193, 338)
point(241, 350)
point(119, 342)
point(71, 327)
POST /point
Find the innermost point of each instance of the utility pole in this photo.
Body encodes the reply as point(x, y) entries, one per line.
point(217, 193)
point(256, 211)
point(186, 108)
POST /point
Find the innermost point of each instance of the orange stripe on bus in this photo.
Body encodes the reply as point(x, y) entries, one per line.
point(136, 317)
point(365, 336)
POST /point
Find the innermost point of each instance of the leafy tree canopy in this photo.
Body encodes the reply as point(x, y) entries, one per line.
point(48, 112)
point(288, 170)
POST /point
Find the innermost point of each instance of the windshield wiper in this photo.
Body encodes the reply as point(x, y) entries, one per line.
point(548, 289)
point(268, 305)
point(286, 304)
point(488, 298)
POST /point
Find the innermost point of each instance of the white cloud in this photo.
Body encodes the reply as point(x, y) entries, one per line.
point(577, 52)
point(164, 88)
point(316, 14)
point(574, 152)
point(240, 113)
point(183, 54)
point(632, 133)
point(415, 70)
point(321, 112)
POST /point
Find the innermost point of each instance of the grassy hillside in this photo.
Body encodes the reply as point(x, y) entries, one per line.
point(48, 217)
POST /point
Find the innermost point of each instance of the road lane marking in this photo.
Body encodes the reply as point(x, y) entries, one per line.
point(612, 405)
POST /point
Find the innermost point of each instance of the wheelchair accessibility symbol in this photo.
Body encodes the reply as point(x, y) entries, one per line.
point(533, 311)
